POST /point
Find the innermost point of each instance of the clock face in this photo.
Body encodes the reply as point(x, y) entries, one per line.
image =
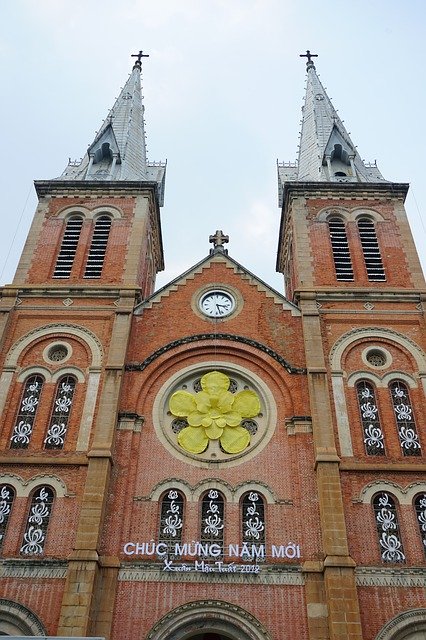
point(217, 304)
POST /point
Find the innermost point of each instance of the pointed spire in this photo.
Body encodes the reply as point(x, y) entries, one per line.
point(118, 151)
point(326, 151)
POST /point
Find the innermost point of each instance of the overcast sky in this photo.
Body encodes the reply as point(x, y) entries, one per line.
point(223, 90)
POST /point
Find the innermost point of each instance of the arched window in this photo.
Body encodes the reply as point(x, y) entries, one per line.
point(373, 434)
point(420, 507)
point(171, 520)
point(27, 412)
point(7, 496)
point(371, 251)
point(58, 424)
point(404, 417)
point(38, 521)
point(391, 548)
point(68, 248)
point(95, 259)
point(212, 519)
point(340, 248)
point(253, 523)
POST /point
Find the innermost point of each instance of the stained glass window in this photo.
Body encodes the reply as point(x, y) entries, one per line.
point(212, 519)
point(372, 431)
point(171, 520)
point(391, 548)
point(55, 437)
point(253, 522)
point(27, 412)
point(7, 496)
point(406, 426)
point(420, 507)
point(38, 521)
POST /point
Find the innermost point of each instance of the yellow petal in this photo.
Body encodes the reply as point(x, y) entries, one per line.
point(232, 418)
point(182, 404)
point(214, 431)
point(225, 401)
point(193, 440)
point(215, 382)
point(247, 404)
point(195, 419)
point(221, 422)
point(206, 421)
point(202, 400)
point(234, 440)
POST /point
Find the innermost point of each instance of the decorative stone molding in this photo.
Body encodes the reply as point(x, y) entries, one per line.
point(298, 424)
point(381, 381)
point(404, 496)
point(23, 488)
point(15, 619)
point(89, 213)
point(409, 624)
point(232, 494)
point(33, 569)
point(130, 422)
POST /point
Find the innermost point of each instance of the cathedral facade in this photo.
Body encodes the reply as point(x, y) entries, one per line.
point(214, 460)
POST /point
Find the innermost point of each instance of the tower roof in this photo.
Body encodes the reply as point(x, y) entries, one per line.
point(326, 151)
point(118, 152)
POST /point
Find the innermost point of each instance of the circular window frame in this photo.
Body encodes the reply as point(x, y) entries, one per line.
point(379, 350)
point(162, 420)
point(220, 288)
point(58, 344)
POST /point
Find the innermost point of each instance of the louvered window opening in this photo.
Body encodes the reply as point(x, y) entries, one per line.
point(27, 413)
point(420, 507)
point(58, 425)
point(171, 522)
point(7, 496)
point(96, 257)
point(38, 522)
point(404, 417)
point(212, 520)
point(370, 419)
point(69, 245)
point(340, 248)
point(386, 517)
point(371, 251)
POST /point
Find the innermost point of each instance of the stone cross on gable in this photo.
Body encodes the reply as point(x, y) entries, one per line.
point(218, 240)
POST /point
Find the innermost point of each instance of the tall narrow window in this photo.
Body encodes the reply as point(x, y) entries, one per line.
point(370, 249)
point(391, 548)
point(212, 519)
point(253, 525)
point(420, 507)
point(95, 259)
point(38, 522)
point(58, 425)
point(7, 496)
point(373, 434)
point(340, 248)
point(407, 432)
point(68, 248)
point(27, 412)
point(171, 521)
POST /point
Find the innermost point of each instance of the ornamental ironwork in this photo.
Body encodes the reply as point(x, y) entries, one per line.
point(420, 507)
point(7, 496)
point(27, 412)
point(55, 437)
point(405, 423)
point(373, 434)
point(38, 521)
point(212, 519)
point(171, 520)
point(253, 519)
point(388, 529)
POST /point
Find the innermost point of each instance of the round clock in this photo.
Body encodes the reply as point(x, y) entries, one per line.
point(217, 304)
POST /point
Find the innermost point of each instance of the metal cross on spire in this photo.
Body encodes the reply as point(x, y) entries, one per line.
point(218, 240)
point(309, 57)
point(139, 56)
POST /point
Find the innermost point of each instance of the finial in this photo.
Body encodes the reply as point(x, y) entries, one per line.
point(138, 62)
point(309, 56)
point(218, 240)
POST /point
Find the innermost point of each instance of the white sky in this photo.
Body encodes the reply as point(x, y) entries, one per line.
point(223, 91)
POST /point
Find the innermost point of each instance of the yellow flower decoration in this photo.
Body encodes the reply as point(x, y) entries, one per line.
point(214, 414)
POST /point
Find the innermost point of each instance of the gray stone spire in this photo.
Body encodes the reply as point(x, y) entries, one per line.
point(118, 152)
point(326, 151)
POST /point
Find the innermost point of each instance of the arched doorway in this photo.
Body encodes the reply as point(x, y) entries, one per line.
point(409, 625)
point(17, 620)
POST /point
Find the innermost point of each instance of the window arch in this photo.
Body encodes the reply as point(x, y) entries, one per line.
point(95, 259)
point(367, 404)
point(58, 425)
point(27, 412)
point(371, 250)
point(340, 248)
point(171, 520)
point(7, 496)
point(253, 519)
point(38, 521)
point(405, 423)
point(420, 508)
point(212, 519)
point(386, 517)
point(66, 255)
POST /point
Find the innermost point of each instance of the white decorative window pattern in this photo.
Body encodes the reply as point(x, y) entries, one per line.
point(27, 412)
point(38, 521)
point(420, 507)
point(68, 248)
point(55, 437)
point(171, 520)
point(7, 496)
point(371, 250)
point(253, 519)
point(405, 423)
point(212, 519)
point(340, 248)
point(372, 431)
point(95, 259)
point(391, 548)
